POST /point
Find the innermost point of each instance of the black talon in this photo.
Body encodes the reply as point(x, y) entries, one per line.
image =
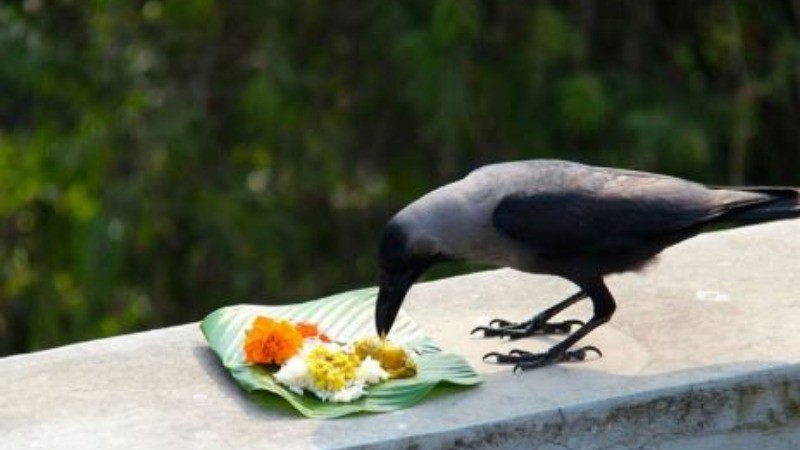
point(512, 330)
point(592, 348)
point(495, 354)
point(476, 329)
point(524, 360)
point(489, 331)
point(500, 323)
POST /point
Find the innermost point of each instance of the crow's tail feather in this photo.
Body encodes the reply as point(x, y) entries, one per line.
point(779, 203)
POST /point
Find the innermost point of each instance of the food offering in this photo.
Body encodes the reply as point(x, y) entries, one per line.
point(323, 356)
point(306, 360)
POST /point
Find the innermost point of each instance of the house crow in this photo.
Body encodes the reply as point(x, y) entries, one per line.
point(570, 220)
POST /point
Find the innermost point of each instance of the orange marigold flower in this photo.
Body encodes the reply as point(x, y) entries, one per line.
point(310, 330)
point(271, 341)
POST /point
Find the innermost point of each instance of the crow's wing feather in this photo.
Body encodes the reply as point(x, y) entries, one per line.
point(608, 212)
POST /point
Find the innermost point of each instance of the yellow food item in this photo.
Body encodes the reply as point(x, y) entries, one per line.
point(332, 369)
point(394, 359)
point(368, 346)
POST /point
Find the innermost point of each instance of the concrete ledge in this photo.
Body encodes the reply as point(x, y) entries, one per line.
point(703, 353)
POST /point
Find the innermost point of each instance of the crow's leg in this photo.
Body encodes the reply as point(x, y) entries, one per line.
point(537, 325)
point(604, 307)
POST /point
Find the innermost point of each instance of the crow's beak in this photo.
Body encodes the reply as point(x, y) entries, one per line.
point(393, 289)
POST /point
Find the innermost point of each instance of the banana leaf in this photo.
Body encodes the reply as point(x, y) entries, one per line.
point(344, 317)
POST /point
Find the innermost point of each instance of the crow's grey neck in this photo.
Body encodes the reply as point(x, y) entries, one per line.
point(457, 220)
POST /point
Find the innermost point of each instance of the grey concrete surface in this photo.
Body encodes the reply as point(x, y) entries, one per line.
point(702, 353)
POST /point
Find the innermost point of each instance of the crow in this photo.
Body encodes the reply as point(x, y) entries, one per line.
point(561, 218)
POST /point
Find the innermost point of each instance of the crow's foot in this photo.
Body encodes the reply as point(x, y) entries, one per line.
point(535, 326)
point(523, 360)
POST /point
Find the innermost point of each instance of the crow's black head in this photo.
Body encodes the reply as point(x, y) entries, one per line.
point(395, 252)
point(403, 247)
point(403, 256)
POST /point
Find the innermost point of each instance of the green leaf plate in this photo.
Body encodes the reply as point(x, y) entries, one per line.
point(345, 317)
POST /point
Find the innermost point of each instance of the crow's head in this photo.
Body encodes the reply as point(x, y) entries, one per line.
point(404, 254)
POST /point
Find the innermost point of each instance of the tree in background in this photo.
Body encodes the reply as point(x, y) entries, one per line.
point(162, 158)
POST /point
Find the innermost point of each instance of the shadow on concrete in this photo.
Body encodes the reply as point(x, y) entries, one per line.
point(258, 405)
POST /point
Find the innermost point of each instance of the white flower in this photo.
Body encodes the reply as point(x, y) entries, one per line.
point(370, 371)
point(349, 393)
point(294, 373)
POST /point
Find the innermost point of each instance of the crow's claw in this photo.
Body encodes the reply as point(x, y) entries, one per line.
point(589, 348)
point(500, 358)
point(501, 323)
point(513, 330)
point(491, 354)
point(546, 359)
point(489, 331)
point(524, 360)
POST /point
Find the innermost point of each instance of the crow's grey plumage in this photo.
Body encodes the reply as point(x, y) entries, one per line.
point(575, 221)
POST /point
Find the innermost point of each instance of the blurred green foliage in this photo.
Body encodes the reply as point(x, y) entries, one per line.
point(161, 158)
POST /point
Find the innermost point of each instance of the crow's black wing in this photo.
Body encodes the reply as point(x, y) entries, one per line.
point(611, 212)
